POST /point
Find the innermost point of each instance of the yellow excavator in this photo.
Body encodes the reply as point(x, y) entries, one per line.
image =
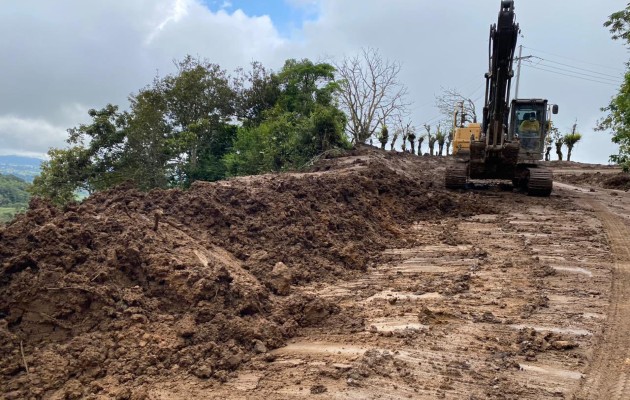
point(510, 141)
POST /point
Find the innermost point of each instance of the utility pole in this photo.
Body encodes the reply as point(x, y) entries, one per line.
point(518, 68)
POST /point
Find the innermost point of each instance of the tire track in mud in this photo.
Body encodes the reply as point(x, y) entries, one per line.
point(608, 376)
point(424, 336)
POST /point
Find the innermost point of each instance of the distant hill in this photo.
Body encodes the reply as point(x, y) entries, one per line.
point(25, 168)
point(13, 196)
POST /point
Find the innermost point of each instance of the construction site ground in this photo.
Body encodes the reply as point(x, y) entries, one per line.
point(362, 279)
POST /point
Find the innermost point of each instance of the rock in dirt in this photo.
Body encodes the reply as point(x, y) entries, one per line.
point(318, 389)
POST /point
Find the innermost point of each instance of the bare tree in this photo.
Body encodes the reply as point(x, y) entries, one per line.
point(449, 140)
point(441, 139)
point(370, 92)
point(420, 140)
point(431, 138)
point(396, 134)
point(407, 130)
point(450, 101)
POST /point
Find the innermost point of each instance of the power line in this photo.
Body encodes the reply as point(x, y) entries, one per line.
point(572, 76)
point(615, 80)
point(573, 59)
point(617, 77)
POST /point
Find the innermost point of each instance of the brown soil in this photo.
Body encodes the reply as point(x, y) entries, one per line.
point(361, 279)
point(98, 300)
point(606, 180)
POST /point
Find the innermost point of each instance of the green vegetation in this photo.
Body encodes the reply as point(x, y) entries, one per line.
point(571, 139)
point(201, 124)
point(13, 196)
point(618, 118)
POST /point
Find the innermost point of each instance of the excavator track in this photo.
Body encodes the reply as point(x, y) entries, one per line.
point(456, 175)
point(540, 182)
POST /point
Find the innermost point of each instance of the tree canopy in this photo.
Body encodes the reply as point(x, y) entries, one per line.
point(201, 123)
point(617, 119)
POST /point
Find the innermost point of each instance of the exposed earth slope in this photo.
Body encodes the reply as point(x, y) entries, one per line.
point(361, 279)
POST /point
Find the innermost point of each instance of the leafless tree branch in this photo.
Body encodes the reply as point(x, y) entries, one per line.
point(371, 93)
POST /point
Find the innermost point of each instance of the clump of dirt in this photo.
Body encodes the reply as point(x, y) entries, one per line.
point(532, 342)
point(130, 286)
point(379, 363)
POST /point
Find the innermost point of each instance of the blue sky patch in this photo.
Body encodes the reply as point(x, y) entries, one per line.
point(287, 18)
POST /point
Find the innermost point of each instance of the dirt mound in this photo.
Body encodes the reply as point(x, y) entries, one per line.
point(99, 298)
point(619, 181)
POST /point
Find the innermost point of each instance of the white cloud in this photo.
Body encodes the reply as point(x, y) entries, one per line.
point(177, 11)
point(24, 136)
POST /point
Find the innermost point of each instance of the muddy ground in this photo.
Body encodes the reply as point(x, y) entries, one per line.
point(362, 279)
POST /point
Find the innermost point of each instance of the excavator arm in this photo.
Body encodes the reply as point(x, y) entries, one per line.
point(502, 44)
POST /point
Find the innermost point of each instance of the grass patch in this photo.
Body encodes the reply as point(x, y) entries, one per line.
point(8, 213)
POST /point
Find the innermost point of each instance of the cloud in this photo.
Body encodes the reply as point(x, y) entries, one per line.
point(178, 11)
point(30, 137)
point(61, 58)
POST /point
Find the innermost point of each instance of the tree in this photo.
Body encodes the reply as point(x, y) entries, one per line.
point(394, 138)
point(431, 138)
point(420, 141)
point(199, 101)
point(571, 139)
point(383, 137)
point(411, 136)
point(451, 101)
point(199, 123)
point(617, 119)
point(440, 137)
point(553, 134)
point(370, 94)
point(559, 144)
point(257, 91)
point(303, 123)
point(62, 175)
point(449, 140)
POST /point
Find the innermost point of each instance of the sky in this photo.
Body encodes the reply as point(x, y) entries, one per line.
point(59, 59)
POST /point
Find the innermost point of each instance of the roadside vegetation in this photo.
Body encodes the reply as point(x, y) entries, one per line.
point(14, 197)
point(617, 119)
point(203, 123)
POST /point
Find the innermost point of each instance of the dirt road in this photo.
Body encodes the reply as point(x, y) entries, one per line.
point(512, 305)
point(608, 376)
point(267, 287)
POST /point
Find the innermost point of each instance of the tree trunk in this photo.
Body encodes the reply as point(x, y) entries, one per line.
point(559, 151)
point(440, 149)
point(570, 148)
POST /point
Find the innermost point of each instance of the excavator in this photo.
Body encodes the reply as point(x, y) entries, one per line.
point(510, 141)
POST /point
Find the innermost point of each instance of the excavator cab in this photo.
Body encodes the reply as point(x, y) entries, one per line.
point(528, 126)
